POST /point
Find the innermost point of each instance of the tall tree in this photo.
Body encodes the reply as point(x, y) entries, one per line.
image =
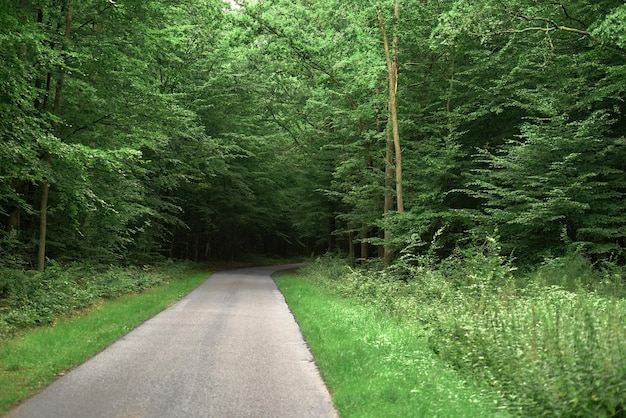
point(391, 56)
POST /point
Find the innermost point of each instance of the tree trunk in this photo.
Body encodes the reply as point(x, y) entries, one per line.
point(394, 111)
point(45, 187)
point(43, 226)
point(332, 225)
point(350, 248)
point(389, 172)
point(365, 248)
point(393, 154)
point(13, 218)
point(391, 56)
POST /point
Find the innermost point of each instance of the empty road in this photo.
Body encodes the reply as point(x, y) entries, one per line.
point(231, 348)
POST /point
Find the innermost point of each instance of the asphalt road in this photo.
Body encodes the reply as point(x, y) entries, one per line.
point(231, 348)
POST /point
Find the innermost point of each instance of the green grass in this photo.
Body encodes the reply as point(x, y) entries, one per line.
point(34, 358)
point(545, 350)
point(373, 365)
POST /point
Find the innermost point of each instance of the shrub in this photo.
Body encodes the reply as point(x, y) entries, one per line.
point(29, 299)
point(552, 346)
point(552, 353)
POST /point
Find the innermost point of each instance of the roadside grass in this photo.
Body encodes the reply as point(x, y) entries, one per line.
point(548, 343)
point(33, 358)
point(374, 365)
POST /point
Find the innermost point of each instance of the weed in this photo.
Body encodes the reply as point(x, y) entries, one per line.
point(551, 342)
point(29, 299)
point(375, 366)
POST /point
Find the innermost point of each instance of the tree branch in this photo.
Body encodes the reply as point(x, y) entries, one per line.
point(570, 16)
point(89, 124)
point(553, 26)
point(111, 4)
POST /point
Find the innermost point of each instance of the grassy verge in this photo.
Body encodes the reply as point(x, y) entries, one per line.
point(375, 366)
point(31, 359)
point(546, 350)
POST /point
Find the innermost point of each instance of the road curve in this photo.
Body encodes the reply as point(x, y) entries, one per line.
point(230, 348)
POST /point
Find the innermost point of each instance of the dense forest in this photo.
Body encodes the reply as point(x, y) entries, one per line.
point(200, 129)
point(475, 150)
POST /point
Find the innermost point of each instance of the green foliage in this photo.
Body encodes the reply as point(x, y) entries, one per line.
point(187, 129)
point(548, 351)
point(611, 29)
point(373, 365)
point(561, 183)
point(30, 299)
point(552, 352)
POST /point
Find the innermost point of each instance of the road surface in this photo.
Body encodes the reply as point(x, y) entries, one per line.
point(231, 348)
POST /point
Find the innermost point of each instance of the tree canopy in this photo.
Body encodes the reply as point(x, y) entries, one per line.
point(199, 129)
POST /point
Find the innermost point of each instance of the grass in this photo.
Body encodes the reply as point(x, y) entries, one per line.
point(374, 365)
point(32, 359)
point(544, 349)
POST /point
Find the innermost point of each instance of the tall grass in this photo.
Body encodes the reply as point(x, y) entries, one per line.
point(374, 366)
point(549, 349)
point(551, 352)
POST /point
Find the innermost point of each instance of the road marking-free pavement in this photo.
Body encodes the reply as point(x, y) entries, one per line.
point(230, 348)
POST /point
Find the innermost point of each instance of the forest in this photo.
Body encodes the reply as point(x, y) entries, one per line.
point(200, 129)
point(468, 156)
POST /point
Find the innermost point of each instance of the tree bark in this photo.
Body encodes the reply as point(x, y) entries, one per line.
point(43, 226)
point(393, 100)
point(389, 201)
point(391, 56)
point(393, 153)
point(45, 187)
point(351, 248)
point(364, 244)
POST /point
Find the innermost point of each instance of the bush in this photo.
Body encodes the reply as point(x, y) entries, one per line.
point(30, 299)
point(551, 352)
point(550, 342)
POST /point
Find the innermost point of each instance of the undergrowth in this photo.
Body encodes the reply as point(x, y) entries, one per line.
point(552, 344)
point(29, 299)
point(373, 365)
point(33, 358)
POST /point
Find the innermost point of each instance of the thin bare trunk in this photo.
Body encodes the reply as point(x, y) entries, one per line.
point(394, 111)
point(332, 225)
point(364, 244)
point(386, 207)
point(45, 187)
point(393, 153)
point(351, 247)
point(391, 56)
point(43, 226)
point(389, 172)
point(13, 220)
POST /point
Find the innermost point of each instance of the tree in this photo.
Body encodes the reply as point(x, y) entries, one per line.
point(391, 56)
point(554, 183)
point(189, 129)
